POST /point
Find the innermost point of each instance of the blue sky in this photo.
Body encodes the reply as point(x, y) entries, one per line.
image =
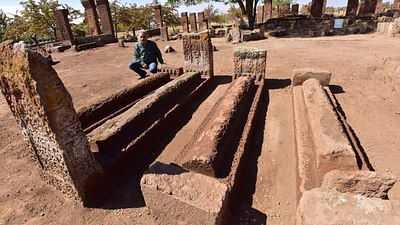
point(9, 6)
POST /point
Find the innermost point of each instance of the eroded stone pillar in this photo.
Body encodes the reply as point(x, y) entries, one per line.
point(158, 14)
point(64, 28)
point(286, 9)
point(200, 17)
point(260, 14)
point(367, 7)
point(248, 61)
point(379, 7)
point(295, 9)
point(44, 110)
point(193, 22)
point(352, 6)
point(198, 53)
point(164, 33)
point(267, 11)
point(317, 7)
point(103, 7)
point(185, 22)
point(396, 4)
point(91, 16)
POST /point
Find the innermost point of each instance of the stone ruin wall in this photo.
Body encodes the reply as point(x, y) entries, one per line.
point(44, 110)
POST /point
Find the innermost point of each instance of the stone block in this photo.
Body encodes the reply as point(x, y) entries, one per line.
point(91, 16)
point(366, 183)
point(208, 150)
point(121, 43)
point(64, 28)
point(193, 22)
point(330, 207)
point(164, 33)
point(185, 22)
point(44, 111)
point(249, 61)
point(198, 53)
point(173, 71)
point(103, 7)
point(177, 196)
point(158, 14)
point(301, 75)
point(332, 147)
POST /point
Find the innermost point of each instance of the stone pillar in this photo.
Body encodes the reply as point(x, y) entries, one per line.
point(352, 6)
point(249, 61)
point(158, 14)
point(200, 17)
point(44, 111)
point(295, 9)
point(260, 14)
point(91, 16)
point(379, 7)
point(185, 22)
point(267, 11)
point(164, 33)
point(317, 8)
point(367, 7)
point(64, 28)
point(103, 7)
point(396, 4)
point(193, 22)
point(198, 53)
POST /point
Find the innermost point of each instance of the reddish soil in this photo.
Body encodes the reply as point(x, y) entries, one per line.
point(365, 81)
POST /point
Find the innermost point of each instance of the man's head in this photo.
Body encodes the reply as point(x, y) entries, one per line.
point(143, 36)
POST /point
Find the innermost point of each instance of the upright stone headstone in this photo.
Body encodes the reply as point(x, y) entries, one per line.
point(396, 4)
point(164, 33)
point(260, 14)
point(367, 7)
point(352, 6)
point(198, 53)
point(91, 17)
point(267, 11)
point(249, 61)
point(305, 9)
point(295, 9)
point(316, 8)
point(103, 7)
point(44, 110)
point(185, 22)
point(158, 14)
point(200, 17)
point(64, 28)
point(193, 22)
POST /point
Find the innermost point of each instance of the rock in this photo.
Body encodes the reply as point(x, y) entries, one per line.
point(326, 207)
point(169, 49)
point(301, 75)
point(365, 183)
point(121, 43)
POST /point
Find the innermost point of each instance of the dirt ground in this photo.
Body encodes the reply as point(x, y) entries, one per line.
point(365, 79)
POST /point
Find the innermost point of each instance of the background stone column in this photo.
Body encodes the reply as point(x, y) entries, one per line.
point(295, 9)
point(103, 7)
point(352, 6)
point(64, 28)
point(317, 8)
point(267, 11)
point(91, 16)
point(193, 22)
point(185, 22)
point(158, 14)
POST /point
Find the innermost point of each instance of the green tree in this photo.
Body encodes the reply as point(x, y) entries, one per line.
point(3, 24)
point(211, 13)
point(247, 7)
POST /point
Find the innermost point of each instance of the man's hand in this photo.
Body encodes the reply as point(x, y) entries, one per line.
point(145, 66)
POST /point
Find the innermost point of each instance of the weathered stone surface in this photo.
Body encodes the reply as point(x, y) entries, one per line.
point(178, 196)
point(295, 9)
point(260, 14)
point(365, 183)
point(91, 16)
point(185, 22)
point(236, 35)
point(164, 33)
point(330, 208)
point(44, 110)
point(193, 22)
point(115, 134)
point(158, 14)
point(103, 7)
point(121, 43)
point(333, 149)
point(267, 11)
point(64, 28)
point(301, 75)
point(198, 53)
point(169, 49)
point(209, 148)
point(202, 21)
point(316, 8)
point(173, 71)
point(352, 6)
point(249, 61)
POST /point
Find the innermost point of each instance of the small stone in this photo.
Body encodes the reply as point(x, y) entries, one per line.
point(169, 49)
point(42, 214)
